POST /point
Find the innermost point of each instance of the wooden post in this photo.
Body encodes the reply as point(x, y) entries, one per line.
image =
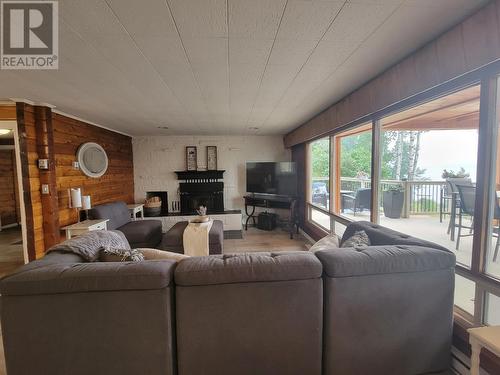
point(407, 199)
point(45, 149)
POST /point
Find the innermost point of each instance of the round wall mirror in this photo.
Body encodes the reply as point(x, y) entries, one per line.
point(92, 159)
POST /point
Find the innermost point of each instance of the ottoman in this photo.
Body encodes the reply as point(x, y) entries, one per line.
point(172, 240)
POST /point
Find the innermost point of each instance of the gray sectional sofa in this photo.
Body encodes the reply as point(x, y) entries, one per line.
point(139, 233)
point(384, 310)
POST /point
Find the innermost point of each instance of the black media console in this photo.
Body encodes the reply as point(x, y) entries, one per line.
point(272, 201)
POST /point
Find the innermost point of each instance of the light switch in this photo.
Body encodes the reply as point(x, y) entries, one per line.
point(76, 165)
point(43, 163)
point(45, 189)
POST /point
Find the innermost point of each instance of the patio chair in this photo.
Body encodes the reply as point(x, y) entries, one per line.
point(361, 201)
point(467, 196)
point(447, 193)
point(496, 216)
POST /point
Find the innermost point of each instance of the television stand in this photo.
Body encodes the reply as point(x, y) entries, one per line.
point(272, 201)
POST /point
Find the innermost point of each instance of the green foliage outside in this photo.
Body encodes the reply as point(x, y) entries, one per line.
point(355, 160)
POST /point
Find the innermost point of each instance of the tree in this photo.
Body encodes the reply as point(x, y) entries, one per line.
point(320, 155)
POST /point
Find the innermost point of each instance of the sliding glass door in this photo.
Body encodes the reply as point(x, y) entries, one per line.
point(428, 171)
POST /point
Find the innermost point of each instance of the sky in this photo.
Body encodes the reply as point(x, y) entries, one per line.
point(448, 149)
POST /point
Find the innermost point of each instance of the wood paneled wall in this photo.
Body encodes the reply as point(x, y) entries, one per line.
point(63, 136)
point(8, 196)
point(470, 45)
point(116, 184)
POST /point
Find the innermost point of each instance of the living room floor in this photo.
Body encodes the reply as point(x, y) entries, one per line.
point(11, 250)
point(255, 240)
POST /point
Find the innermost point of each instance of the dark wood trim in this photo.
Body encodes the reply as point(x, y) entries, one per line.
point(313, 231)
point(28, 207)
point(45, 149)
point(6, 141)
point(484, 157)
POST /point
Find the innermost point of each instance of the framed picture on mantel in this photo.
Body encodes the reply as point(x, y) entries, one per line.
point(191, 158)
point(211, 158)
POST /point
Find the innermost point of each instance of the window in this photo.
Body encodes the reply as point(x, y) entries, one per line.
point(492, 311)
point(428, 171)
point(465, 292)
point(492, 266)
point(426, 180)
point(320, 218)
point(320, 173)
point(352, 158)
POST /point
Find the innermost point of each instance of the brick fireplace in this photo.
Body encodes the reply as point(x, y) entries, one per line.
point(201, 188)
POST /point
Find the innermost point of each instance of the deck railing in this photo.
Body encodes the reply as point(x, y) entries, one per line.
point(420, 197)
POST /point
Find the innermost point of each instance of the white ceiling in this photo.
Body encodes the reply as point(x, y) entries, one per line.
point(223, 66)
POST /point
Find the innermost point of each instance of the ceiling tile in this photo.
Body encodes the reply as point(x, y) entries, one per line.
point(153, 20)
point(206, 50)
point(92, 17)
point(307, 20)
point(200, 18)
point(290, 52)
point(249, 51)
point(332, 54)
point(357, 21)
point(255, 19)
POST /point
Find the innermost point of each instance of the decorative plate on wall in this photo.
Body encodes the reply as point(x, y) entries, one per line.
point(92, 159)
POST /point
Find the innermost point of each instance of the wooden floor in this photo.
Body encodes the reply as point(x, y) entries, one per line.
point(11, 257)
point(11, 250)
point(255, 240)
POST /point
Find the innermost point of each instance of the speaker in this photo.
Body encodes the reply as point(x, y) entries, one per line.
point(266, 221)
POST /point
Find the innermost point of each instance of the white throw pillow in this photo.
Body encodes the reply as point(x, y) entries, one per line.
point(326, 243)
point(152, 254)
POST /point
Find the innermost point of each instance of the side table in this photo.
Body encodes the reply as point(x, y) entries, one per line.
point(483, 337)
point(134, 209)
point(85, 226)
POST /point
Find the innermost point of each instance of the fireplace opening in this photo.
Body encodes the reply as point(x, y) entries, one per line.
point(201, 188)
point(163, 195)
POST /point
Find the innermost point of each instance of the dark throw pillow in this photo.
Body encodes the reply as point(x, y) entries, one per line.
point(111, 254)
point(359, 240)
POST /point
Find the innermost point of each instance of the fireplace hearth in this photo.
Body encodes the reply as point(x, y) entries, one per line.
point(201, 188)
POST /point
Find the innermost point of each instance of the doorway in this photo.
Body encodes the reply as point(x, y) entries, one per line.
point(13, 249)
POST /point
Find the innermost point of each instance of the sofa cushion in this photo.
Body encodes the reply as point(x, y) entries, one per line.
point(142, 231)
point(88, 245)
point(328, 242)
point(117, 213)
point(89, 277)
point(380, 235)
point(373, 260)
point(248, 267)
point(155, 254)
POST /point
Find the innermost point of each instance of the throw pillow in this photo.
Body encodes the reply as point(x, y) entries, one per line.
point(152, 254)
point(111, 254)
point(326, 243)
point(359, 240)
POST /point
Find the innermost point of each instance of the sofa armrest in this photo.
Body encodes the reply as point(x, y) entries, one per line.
point(89, 277)
point(380, 235)
point(347, 262)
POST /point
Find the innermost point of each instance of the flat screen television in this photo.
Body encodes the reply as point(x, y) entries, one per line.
point(272, 178)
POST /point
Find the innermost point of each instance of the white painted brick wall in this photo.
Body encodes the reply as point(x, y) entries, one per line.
point(157, 157)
